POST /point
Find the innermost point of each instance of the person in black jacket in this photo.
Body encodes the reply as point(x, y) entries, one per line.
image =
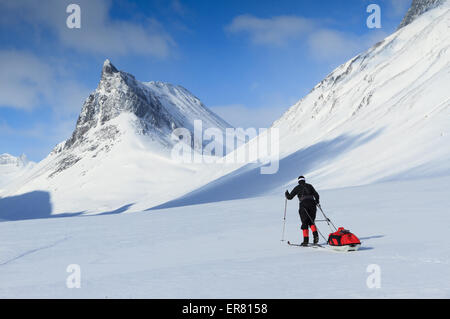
point(309, 198)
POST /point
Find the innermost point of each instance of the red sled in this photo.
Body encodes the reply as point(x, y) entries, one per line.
point(343, 240)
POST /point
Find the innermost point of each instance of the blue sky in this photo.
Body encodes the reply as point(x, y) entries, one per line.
point(246, 60)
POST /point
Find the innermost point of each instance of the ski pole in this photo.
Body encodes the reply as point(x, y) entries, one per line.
point(326, 218)
point(284, 219)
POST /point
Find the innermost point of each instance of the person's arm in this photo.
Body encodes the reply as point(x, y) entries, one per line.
point(316, 195)
point(293, 193)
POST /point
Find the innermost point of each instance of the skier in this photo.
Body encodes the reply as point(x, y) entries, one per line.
point(308, 198)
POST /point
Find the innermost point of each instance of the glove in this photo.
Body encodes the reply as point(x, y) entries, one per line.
point(286, 194)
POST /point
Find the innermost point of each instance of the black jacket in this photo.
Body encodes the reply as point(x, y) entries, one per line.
point(303, 191)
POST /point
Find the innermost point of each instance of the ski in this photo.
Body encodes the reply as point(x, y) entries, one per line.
point(338, 249)
point(309, 245)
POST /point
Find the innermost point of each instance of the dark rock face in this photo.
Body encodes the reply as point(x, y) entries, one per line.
point(159, 108)
point(417, 8)
point(119, 92)
point(108, 68)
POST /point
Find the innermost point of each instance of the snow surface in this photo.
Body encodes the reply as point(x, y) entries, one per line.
point(232, 249)
point(12, 168)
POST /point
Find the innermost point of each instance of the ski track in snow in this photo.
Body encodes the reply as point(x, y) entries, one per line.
point(32, 251)
point(232, 249)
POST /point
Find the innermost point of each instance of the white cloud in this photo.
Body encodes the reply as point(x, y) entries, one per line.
point(27, 82)
point(99, 33)
point(270, 31)
point(24, 80)
point(240, 115)
point(328, 45)
point(323, 44)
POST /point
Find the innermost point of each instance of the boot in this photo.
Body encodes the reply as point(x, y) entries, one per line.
point(305, 237)
point(316, 237)
point(315, 234)
point(305, 241)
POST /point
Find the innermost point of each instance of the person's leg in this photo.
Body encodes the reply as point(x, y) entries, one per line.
point(304, 218)
point(312, 217)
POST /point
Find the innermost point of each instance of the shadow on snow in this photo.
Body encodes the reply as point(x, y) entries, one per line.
point(37, 205)
point(247, 181)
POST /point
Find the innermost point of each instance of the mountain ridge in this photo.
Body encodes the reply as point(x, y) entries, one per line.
point(119, 92)
point(8, 159)
point(122, 139)
point(417, 8)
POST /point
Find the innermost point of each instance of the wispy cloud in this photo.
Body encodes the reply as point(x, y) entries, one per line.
point(323, 43)
point(328, 44)
point(276, 31)
point(24, 80)
point(99, 32)
point(27, 82)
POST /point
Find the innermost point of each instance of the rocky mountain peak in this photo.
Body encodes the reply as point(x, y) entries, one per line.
point(417, 8)
point(117, 92)
point(158, 108)
point(108, 68)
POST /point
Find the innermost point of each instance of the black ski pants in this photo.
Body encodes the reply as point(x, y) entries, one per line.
point(307, 212)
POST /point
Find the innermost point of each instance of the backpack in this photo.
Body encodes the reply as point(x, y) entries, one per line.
point(343, 237)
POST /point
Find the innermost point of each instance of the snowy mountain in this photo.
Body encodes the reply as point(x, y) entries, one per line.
point(7, 159)
point(382, 115)
point(12, 168)
point(158, 109)
point(417, 8)
point(119, 152)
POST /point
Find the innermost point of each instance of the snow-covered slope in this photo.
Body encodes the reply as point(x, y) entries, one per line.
point(119, 152)
point(233, 250)
point(385, 114)
point(391, 105)
point(11, 168)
